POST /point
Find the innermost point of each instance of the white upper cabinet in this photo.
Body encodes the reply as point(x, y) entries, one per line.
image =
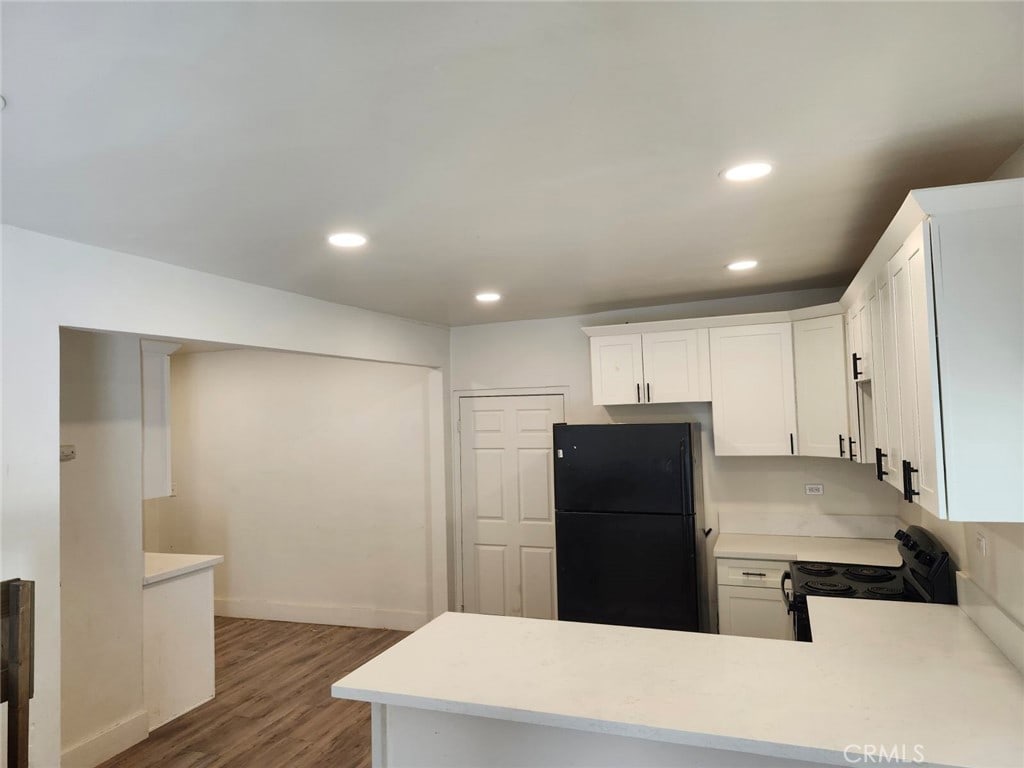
point(617, 369)
point(915, 354)
point(677, 367)
point(753, 393)
point(888, 434)
point(948, 348)
point(819, 355)
point(655, 367)
point(156, 410)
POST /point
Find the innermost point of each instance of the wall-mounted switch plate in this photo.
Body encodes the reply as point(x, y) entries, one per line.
point(814, 489)
point(67, 453)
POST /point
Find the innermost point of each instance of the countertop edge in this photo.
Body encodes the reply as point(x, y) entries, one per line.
point(610, 727)
point(208, 561)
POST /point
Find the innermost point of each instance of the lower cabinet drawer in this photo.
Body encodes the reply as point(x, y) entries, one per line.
point(751, 573)
point(753, 612)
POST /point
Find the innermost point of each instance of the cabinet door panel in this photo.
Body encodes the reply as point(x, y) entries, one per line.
point(753, 612)
point(753, 390)
point(616, 367)
point(892, 444)
point(676, 366)
point(878, 378)
point(927, 480)
point(819, 353)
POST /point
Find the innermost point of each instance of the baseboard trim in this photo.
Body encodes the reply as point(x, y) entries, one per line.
point(99, 747)
point(333, 614)
point(1005, 633)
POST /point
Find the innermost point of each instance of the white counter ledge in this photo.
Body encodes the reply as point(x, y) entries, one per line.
point(960, 699)
point(884, 552)
point(161, 566)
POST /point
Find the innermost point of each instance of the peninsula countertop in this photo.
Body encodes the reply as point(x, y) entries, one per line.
point(161, 566)
point(891, 673)
point(884, 552)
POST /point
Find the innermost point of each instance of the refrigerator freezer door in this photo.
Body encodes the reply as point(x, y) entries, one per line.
point(630, 569)
point(623, 468)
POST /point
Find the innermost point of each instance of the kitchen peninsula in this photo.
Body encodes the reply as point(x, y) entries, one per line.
point(498, 691)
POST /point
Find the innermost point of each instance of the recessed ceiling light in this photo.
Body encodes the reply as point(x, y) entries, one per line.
point(747, 171)
point(488, 296)
point(739, 266)
point(347, 239)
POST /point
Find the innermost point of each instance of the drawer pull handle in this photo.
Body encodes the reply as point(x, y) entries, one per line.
point(754, 573)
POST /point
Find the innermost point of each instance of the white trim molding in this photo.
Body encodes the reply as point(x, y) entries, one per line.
point(103, 745)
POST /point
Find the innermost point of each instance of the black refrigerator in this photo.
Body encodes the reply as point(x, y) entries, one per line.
point(625, 537)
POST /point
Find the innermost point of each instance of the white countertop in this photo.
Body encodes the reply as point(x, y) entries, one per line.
point(161, 566)
point(889, 673)
point(819, 548)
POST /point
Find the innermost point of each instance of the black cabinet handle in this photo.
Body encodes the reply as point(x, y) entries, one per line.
point(911, 471)
point(842, 448)
point(880, 473)
point(792, 448)
point(638, 393)
point(853, 456)
point(856, 371)
point(908, 481)
point(648, 392)
point(754, 573)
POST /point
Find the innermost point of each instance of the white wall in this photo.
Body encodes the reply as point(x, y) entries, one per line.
point(309, 474)
point(102, 705)
point(48, 283)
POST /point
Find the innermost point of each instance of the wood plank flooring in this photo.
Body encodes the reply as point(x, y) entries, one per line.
point(273, 707)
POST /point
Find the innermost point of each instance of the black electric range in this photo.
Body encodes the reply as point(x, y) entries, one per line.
point(927, 575)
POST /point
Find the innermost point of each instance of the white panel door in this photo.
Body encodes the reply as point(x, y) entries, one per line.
point(508, 509)
point(677, 367)
point(819, 354)
point(616, 369)
point(753, 392)
point(753, 612)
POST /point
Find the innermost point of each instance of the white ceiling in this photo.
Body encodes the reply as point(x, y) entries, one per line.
point(563, 154)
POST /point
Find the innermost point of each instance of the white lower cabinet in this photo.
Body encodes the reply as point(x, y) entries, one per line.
point(750, 601)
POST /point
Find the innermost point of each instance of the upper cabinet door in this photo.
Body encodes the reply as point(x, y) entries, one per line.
point(616, 369)
point(889, 439)
point(819, 352)
point(878, 382)
point(753, 392)
point(677, 366)
point(919, 474)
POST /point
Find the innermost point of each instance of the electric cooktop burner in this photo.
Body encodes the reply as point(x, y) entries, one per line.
point(868, 573)
point(884, 591)
point(816, 569)
point(828, 588)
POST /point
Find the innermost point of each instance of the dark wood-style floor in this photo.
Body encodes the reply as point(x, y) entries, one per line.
point(273, 707)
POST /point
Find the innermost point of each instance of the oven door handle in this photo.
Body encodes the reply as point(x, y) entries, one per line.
point(785, 594)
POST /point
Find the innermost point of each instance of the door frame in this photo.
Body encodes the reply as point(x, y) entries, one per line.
point(457, 563)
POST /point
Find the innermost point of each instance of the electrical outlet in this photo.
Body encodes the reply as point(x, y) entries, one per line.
point(814, 489)
point(981, 543)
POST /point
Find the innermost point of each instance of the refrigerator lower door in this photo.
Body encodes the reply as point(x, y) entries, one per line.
point(631, 569)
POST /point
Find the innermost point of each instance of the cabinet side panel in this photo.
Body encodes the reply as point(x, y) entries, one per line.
point(978, 273)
